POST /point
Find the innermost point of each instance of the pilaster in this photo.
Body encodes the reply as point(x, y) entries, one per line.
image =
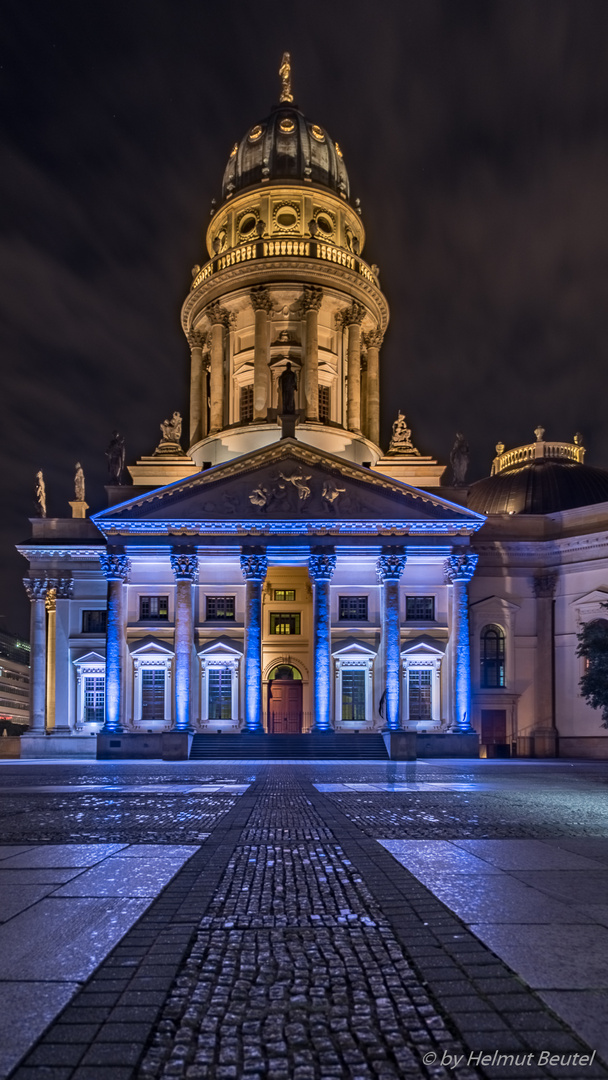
point(545, 730)
point(352, 318)
point(262, 304)
point(373, 342)
point(221, 320)
point(310, 305)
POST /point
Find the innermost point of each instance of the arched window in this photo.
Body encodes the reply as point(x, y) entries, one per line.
point(492, 656)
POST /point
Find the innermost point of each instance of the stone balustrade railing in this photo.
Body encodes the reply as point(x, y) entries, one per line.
point(264, 249)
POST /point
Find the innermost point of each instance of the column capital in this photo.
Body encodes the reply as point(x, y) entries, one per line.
point(311, 299)
point(220, 315)
point(544, 585)
point(261, 300)
point(36, 588)
point(197, 339)
point(115, 567)
point(254, 567)
point(64, 588)
point(350, 316)
point(389, 567)
point(321, 567)
point(460, 568)
point(373, 339)
point(184, 566)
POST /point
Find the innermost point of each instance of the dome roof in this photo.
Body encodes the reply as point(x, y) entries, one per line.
point(539, 486)
point(285, 146)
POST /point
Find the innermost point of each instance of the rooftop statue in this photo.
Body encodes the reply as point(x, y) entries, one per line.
point(285, 73)
point(401, 439)
point(40, 494)
point(116, 458)
point(79, 483)
point(172, 430)
point(459, 460)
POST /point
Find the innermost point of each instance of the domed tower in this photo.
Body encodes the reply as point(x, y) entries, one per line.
point(285, 284)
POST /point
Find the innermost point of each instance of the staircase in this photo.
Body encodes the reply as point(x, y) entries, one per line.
point(319, 747)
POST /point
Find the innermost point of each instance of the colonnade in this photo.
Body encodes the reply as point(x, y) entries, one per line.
point(208, 352)
point(459, 570)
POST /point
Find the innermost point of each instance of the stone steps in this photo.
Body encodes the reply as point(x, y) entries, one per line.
point(330, 747)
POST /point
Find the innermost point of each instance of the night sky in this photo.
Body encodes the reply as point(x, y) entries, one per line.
point(474, 133)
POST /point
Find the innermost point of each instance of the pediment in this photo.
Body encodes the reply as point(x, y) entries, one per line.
point(423, 644)
point(220, 645)
point(287, 481)
point(596, 596)
point(494, 603)
point(150, 645)
point(90, 658)
point(353, 647)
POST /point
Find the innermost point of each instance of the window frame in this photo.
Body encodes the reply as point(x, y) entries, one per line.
point(102, 612)
point(278, 617)
point(153, 599)
point(212, 599)
point(361, 602)
point(496, 663)
point(414, 600)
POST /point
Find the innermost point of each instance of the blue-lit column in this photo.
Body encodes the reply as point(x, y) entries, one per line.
point(185, 569)
point(320, 569)
point(36, 589)
point(254, 569)
point(389, 569)
point(459, 570)
point(116, 571)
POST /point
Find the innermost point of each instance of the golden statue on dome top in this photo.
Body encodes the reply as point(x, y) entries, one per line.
point(285, 73)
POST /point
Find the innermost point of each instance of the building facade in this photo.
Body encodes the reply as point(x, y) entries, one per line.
point(283, 574)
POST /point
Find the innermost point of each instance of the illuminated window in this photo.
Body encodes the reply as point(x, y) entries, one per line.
point(220, 607)
point(353, 607)
point(94, 622)
point(284, 594)
point(420, 608)
point(94, 698)
point(246, 403)
point(220, 693)
point(492, 656)
point(153, 694)
point(324, 405)
point(154, 607)
point(284, 622)
point(419, 694)
point(353, 694)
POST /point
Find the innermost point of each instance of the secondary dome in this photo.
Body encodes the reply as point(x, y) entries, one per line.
point(285, 146)
point(540, 478)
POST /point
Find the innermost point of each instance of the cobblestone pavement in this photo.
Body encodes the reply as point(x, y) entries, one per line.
point(293, 945)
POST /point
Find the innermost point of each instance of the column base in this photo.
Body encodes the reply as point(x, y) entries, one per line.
point(258, 730)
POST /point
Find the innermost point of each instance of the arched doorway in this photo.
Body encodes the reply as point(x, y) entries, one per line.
point(285, 700)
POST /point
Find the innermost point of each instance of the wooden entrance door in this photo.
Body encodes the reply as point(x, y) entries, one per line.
point(285, 707)
point(493, 726)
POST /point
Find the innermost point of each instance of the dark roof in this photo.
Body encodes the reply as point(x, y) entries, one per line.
point(544, 486)
point(285, 146)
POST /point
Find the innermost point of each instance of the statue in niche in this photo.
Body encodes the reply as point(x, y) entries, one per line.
point(401, 439)
point(116, 458)
point(288, 383)
point(79, 483)
point(172, 430)
point(459, 460)
point(40, 495)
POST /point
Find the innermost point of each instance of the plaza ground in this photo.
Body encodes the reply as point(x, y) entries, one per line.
point(303, 920)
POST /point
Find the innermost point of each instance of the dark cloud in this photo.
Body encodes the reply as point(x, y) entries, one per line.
point(474, 134)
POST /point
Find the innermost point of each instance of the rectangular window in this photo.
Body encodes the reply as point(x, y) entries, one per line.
point(153, 694)
point(420, 608)
point(94, 622)
point(154, 607)
point(220, 693)
point(220, 607)
point(353, 608)
point(324, 405)
point(419, 693)
point(285, 594)
point(94, 698)
point(353, 694)
point(246, 403)
point(284, 622)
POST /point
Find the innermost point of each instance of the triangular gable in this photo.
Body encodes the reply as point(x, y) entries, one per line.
point(353, 647)
point(287, 482)
point(89, 658)
point(423, 644)
point(220, 645)
point(149, 644)
point(597, 596)
point(493, 603)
